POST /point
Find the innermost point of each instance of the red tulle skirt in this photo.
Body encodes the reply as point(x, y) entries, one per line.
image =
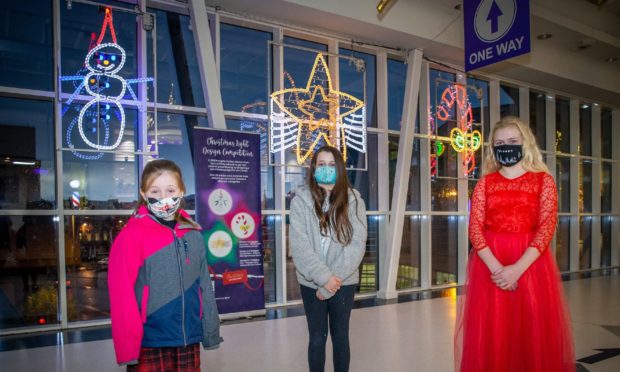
point(525, 330)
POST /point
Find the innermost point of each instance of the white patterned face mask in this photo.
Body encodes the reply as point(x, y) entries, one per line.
point(508, 155)
point(164, 208)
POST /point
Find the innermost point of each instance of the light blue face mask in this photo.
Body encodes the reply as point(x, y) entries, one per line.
point(325, 175)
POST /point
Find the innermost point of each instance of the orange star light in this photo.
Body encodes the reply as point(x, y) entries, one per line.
point(318, 110)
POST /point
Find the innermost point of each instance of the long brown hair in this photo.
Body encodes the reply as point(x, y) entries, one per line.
point(156, 168)
point(532, 158)
point(337, 217)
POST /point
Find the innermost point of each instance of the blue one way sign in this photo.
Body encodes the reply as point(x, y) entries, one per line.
point(495, 30)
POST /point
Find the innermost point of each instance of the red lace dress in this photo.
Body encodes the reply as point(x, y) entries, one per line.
point(527, 329)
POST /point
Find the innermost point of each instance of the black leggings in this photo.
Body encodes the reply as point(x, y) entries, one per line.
point(338, 310)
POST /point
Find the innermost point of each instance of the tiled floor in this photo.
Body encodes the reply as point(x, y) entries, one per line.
point(406, 336)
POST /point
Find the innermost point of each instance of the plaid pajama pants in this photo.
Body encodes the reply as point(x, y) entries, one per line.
point(168, 359)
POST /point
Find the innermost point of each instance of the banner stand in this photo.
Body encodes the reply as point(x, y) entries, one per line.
point(228, 207)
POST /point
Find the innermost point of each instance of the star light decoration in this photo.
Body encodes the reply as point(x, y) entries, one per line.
point(303, 118)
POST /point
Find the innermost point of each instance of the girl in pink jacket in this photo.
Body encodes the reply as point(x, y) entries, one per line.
point(161, 297)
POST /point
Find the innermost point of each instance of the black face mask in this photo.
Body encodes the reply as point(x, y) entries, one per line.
point(508, 155)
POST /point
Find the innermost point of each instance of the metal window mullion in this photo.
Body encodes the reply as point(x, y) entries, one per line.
point(207, 64)
point(62, 272)
point(574, 186)
point(383, 167)
point(280, 181)
point(14, 92)
point(596, 188)
point(615, 185)
point(550, 123)
point(425, 181)
point(334, 62)
point(494, 104)
point(142, 137)
point(524, 104)
point(387, 283)
point(462, 203)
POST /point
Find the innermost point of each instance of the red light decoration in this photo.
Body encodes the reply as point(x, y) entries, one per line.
point(107, 21)
point(462, 138)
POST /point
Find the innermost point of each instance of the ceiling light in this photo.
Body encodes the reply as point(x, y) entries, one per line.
point(381, 6)
point(544, 36)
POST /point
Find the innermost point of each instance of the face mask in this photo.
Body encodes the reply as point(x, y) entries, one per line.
point(325, 175)
point(508, 155)
point(164, 208)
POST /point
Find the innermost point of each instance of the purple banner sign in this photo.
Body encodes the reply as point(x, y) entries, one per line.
point(227, 166)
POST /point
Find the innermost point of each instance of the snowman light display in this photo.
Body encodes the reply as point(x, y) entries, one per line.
point(107, 88)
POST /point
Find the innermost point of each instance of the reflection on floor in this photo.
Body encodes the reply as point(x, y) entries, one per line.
point(402, 336)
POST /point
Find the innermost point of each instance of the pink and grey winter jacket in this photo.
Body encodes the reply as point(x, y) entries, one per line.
point(160, 289)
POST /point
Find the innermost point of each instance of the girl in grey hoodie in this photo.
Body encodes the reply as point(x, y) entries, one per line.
point(328, 242)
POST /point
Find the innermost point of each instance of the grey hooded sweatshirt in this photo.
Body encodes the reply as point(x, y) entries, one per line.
point(313, 267)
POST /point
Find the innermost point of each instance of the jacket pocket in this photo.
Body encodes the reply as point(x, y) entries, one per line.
point(200, 299)
point(144, 304)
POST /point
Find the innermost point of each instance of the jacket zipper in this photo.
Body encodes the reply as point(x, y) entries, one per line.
point(178, 252)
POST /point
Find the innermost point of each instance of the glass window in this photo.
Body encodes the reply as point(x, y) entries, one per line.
point(80, 28)
point(444, 188)
point(28, 279)
point(366, 181)
point(479, 97)
point(26, 38)
point(178, 73)
point(585, 242)
point(606, 187)
point(369, 267)
point(352, 81)
point(445, 170)
point(27, 149)
point(397, 79)
point(409, 263)
point(606, 133)
point(260, 127)
point(444, 250)
point(585, 187)
point(101, 180)
point(508, 101)
point(562, 180)
point(562, 125)
point(298, 63)
point(243, 66)
point(606, 223)
point(440, 81)
point(175, 142)
point(292, 285)
point(269, 256)
point(585, 129)
point(562, 243)
point(393, 142)
point(538, 117)
point(88, 240)
point(413, 189)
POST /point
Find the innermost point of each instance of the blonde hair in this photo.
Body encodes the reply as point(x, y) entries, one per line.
point(532, 158)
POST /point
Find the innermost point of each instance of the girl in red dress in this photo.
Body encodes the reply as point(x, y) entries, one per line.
point(512, 316)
